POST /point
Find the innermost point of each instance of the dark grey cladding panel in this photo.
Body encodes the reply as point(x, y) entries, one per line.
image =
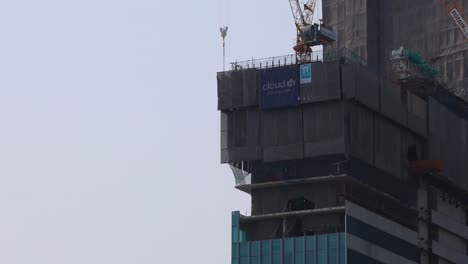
point(323, 129)
point(361, 84)
point(282, 134)
point(361, 133)
point(224, 90)
point(448, 142)
point(417, 114)
point(284, 152)
point(326, 147)
point(325, 84)
point(248, 153)
point(240, 140)
point(224, 137)
point(237, 89)
point(224, 156)
point(224, 121)
point(408, 140)
point(250, 84)
point(388, 147)
point(392, 103)
point(392, 143)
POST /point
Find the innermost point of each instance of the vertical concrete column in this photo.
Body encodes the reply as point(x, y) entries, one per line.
point(423, 221)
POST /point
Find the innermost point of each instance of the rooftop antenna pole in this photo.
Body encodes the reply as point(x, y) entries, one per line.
point(224, 30)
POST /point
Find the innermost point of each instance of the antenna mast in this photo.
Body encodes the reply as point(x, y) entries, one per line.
point(223, 31)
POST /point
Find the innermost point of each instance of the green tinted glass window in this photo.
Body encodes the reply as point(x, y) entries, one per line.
point(332, 240)
point(342, 249)
point(244, 249)
point(322, 241)
point(235, 250)
point(266, 252)
point(288, 251)
point(241, 236)
point(299, 244)
point(322, 256)
point(333, 256)
point(255, 248)
point(310, 257)
point(255, 252)
point(311, 250)
point(332, 248)
point(322, 246)
point(299, 258)
point(299, 250)
point(254, 260)
point(277, 250)
point(310, 243)
point(235, 234)
point(244, 260)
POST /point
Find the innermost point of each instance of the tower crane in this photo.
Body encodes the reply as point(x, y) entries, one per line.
point(455, 10)
point(309, 34)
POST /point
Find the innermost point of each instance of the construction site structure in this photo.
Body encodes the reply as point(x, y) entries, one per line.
point(309, 34)
point(360, 155)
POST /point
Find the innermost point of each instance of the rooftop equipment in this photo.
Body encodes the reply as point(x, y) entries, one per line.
point(409, 64)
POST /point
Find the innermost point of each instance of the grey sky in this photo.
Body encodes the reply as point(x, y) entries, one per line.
point(109, 137)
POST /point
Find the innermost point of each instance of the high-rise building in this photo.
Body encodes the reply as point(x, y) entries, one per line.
point(344, 162)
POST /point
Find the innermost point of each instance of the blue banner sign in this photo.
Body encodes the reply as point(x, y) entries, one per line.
point(306, 73)
point(279, 87)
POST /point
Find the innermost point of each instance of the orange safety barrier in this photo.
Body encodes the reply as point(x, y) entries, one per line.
point(426, 166)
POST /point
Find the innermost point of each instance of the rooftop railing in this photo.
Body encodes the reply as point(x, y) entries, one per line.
point(285, 60)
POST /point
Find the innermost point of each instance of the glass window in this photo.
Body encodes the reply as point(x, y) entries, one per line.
point(310, 257)
point(266, 259)
point(288, 251)
point(244, 249)
point(235, 234)
point(332, 249)
point(322, 254)
point(235, 250)
point(299, 258)
point(333, 256)
point(244, 260)
point(255, 252)
point(235, 218)
point(241, 236)
point(299, 244)
point(333, 240)
point(322, 241)
point(310, 243)
point(342, 248)
point(299, 248)
point(266, 252)
point(244, 253)
point(235, 226)
point(254, 260)
point(255, 248)
point(311, 250)
point(235, 260)
point(277, 250)
point(276, 259)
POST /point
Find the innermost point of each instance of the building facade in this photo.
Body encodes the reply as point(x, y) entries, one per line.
point(344, 168)
point(344, 162)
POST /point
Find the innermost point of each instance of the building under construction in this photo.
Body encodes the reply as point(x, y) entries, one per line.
point(360, 154)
